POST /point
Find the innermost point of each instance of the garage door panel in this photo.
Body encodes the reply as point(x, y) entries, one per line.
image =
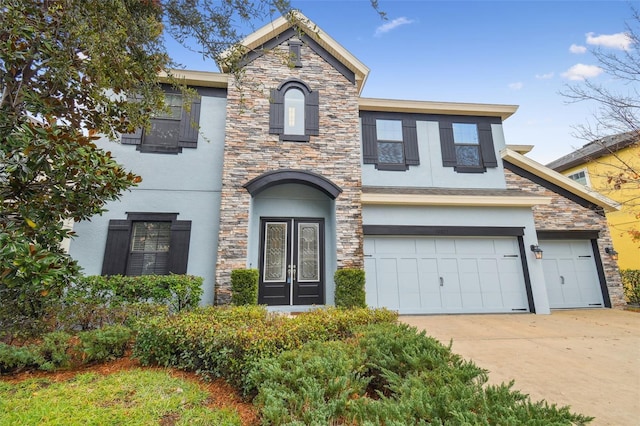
point(429, 283)
point(371, 281)
point(445, 245)
point(425, 247)
point(388, 287)
point(409, 297)
point(489, 277)
point(395, 246)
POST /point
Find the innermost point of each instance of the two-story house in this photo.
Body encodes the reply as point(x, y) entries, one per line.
point(294, 173)
point(604, 165)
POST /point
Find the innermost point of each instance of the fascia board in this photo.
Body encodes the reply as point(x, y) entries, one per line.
point(197, 78)
point(429, 107)
point(559, 180)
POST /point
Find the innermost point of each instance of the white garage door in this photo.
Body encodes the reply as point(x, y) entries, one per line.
point(416, 275)
point(570, 274)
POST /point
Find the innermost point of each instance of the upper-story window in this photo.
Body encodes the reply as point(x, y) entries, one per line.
point(389, 140)
point(467, 144)
point(465, 137)
point(580, 177)
point(294, 111)
point(171, 130)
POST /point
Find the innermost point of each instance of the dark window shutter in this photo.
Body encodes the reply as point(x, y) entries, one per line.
point(276, 112)
point(447, 145)
point(410, 137)
point(369, 140)
point(179, 246)
point(189, 125)
point(312, 113)
point(132, 138)
point(117, 248)
point(486, 145)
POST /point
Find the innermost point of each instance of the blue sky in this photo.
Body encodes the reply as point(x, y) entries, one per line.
point(505, 52)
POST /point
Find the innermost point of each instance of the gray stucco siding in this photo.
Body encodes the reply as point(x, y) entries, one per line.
point(430, 172)
point(188, 183)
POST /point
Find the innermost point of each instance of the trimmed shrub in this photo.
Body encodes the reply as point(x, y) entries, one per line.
point(14, 358)
point(244, 287)
point(350, 288)
point(631, 283)
point(226, 341)
point(97, 301)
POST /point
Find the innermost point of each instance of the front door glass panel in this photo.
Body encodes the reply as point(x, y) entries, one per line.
point(308, 252)
point(275, 252)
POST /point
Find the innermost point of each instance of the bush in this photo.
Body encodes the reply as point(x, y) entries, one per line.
point(350, 288)
point(244, 287)
point(631, 283)
point(226, 341)
point(14, 358)
point(97, 301)
point(424, 383)
point(106, 344)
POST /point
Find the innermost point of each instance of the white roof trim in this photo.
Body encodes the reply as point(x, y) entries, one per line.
point(281, 24)
point(454, 200)
point(562, 181)
point(197, 78)
point(428, 107)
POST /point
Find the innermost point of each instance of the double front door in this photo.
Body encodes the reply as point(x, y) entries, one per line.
point(291, 261)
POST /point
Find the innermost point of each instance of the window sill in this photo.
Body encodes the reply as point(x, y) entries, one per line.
point(392, 167)
point(159, 149)
point(294, 138)
point(470, 169)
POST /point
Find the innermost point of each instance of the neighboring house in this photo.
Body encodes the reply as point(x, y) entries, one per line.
point(596, 165)
point(295, 174)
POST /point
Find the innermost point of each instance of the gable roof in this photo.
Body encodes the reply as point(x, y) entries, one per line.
point(261, 40)
point(594, 150)
point(559, 180)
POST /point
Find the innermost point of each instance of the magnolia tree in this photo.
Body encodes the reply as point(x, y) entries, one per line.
point(68, 70)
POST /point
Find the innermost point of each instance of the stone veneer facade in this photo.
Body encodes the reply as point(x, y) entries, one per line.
point(565, 215)
point(251, 151)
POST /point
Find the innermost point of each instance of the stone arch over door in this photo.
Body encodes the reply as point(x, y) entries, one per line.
point(290, 201)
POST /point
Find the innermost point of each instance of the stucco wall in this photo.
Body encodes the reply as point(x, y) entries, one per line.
point(188, 183)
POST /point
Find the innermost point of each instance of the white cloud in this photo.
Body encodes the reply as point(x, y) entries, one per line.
point(546, 76)
point(392, 25)
point(516, 86)
point(620, 41)
point(577, 49)
point(580, 72)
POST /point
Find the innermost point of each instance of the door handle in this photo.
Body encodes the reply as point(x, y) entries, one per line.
point(561, 279)
point(441, 282)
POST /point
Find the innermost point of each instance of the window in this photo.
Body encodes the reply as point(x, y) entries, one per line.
point(294, 111)
point(170, 130)
point(467, 144)
point(389, 141)
point(147, 243)
point(465, 138)
point(580, 177)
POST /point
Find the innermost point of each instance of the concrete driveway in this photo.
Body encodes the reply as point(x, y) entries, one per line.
point(587, 359)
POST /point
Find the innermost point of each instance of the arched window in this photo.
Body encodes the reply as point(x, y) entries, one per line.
point(294, 112)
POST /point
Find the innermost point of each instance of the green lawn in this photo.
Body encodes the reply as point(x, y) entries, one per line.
point(133, 397)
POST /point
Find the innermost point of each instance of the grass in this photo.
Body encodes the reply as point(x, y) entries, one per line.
point(132, 397)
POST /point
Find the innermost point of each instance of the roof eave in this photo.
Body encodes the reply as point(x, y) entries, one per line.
point(560, 180)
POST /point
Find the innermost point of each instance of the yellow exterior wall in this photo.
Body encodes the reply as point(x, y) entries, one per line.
point(620, 222)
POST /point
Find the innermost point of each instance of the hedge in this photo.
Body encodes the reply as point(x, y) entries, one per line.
point(244, 287)
point(350, 288)
point(631, 283)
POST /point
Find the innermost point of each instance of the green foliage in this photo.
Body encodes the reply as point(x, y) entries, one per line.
point(631, 283)
point(311, 385)
point(350, 288)
point(105, 344)
point(389, 374)
point(134, 397)
point(244, 287)
point(15, 358)
point(226, 341)
point(95, 301)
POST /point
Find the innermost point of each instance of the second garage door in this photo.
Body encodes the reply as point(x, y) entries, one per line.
point(415, 275)
point(570, 274)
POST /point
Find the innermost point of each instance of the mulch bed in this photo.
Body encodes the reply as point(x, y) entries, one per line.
point(221, 394)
